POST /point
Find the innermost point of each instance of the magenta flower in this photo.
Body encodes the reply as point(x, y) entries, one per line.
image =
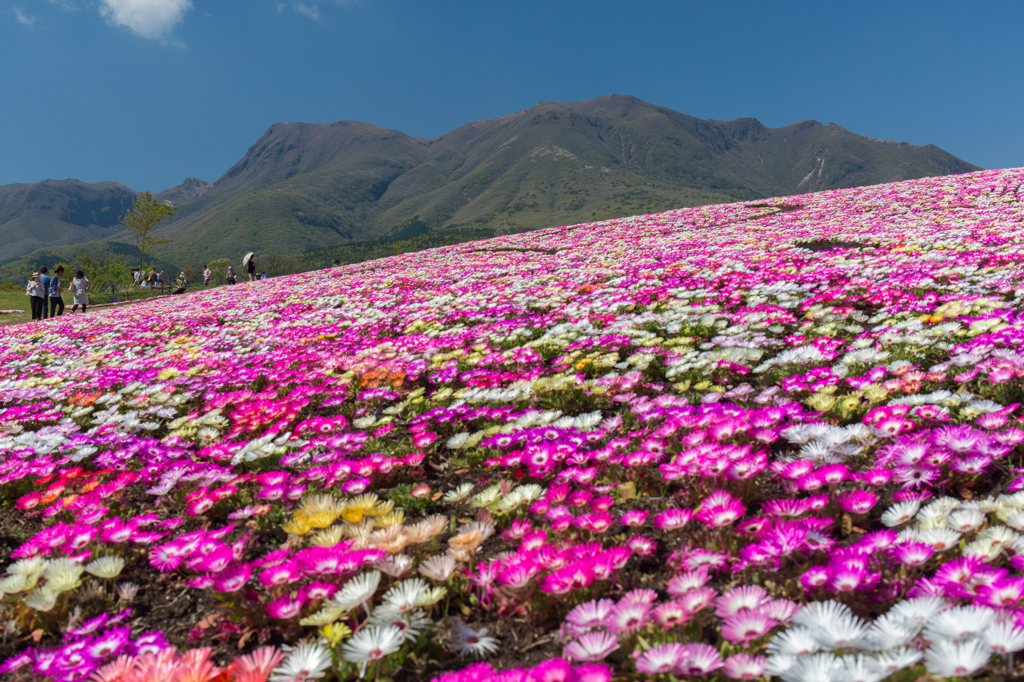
point(285, 606)
point(857, 501)
point(720, 509)
point(672, 519)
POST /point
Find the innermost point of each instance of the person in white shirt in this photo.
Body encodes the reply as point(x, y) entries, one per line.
point(79, 290)
point(207, 274)
point(37, 296)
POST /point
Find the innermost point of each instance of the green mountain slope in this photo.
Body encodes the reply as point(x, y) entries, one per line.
point(59, 212)
point(305, 186)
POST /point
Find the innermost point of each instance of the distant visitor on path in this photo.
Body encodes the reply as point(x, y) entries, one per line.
point(263, 276)
point(206, 275)
point(79, 290)
point(337, 263)
point(231, 278)
point(56, 291)
point(36, 297)
point(44, 280)
point(251, 269)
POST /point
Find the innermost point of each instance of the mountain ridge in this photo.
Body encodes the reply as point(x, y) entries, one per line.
point(302, 187)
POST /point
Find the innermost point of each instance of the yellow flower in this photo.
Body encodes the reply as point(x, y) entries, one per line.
point(320, 519)
point(820, 402)
point(358, 507)
point(297, 526)
point(394, 518)
point(381, 509)
point(335, 633)
point(875, 393)
point(328, 538)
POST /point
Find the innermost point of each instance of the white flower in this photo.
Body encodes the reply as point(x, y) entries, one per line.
point(859, 668)
point(356, 592)
point(401, 598)
point(900, 513)
point(819, 614)
point(965, 520)
point(371, 644)
point(308, 661)
point(458, 440)
point(470, 642)
point(1003, 638)
point(105, 567)
point(898, 659)
point(439, 567)
point(459, 493)
point(956, 660)
point(959, 623)
point(816, 668)
point(795, 641)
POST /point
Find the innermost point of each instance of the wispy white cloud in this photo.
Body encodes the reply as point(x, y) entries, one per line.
point(146, 18)
point(67, 5)
point(21, 17)
point(307, 10)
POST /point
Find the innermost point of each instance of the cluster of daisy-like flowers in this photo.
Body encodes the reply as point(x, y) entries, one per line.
point(769, 438)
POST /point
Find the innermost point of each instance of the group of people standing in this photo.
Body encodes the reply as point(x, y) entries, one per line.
point(46, 293)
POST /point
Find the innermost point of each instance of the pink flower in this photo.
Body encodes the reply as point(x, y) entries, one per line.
point(592, 646)
point(634, 517)
point(692, 580)
point(590, 615)
point(233, 579)
point(285, 606)
point(857, 501)
point(672, 519)
point(592, 672)
point(671, 614)
point(279, 575)
point(745, 667)
point(700, 660)
point(746, 625)
point(661, 659)
point(720, 509)
point(815, 577)
point(912, 553)
point(747, 597)
point(597, 522)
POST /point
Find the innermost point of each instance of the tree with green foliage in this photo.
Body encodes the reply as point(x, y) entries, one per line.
point(142, 220)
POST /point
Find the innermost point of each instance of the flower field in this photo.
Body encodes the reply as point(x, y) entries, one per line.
point(779, 438)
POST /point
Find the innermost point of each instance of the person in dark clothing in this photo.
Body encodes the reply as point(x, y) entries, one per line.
point(252, 269)
point(56, 300)
point(44, 282)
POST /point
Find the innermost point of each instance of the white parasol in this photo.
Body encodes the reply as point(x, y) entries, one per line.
point(246, 258)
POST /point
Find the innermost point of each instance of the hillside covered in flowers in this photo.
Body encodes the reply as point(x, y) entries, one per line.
point(776, 438)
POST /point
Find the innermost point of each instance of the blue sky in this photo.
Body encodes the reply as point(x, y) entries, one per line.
point(147, 92)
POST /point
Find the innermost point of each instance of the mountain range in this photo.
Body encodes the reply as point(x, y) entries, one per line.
point(325, 188)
